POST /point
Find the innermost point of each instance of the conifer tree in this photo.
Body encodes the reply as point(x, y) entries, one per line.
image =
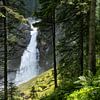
point(5, 53)
point(92, 30)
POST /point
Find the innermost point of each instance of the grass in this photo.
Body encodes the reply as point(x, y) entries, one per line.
point(43, 85)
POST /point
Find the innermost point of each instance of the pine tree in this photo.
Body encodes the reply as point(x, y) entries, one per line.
point(5, 53)
point(47, 14)
point(92, 26)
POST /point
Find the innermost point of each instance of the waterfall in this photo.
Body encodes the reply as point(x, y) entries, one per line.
point(29, 61)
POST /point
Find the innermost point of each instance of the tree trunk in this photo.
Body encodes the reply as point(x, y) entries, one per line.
point(5, 54)
point(54, 49)
point(81, 49)
point(92, 25)
point(81, 43)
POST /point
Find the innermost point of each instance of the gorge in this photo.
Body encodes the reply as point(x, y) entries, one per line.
point(24, 48)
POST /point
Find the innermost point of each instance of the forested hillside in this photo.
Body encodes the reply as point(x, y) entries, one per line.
point(67, 44)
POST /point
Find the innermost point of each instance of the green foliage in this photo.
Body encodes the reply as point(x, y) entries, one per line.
point(12, 38)
point(86, 88)
point(85, 80)
point(69, 16)
point(13, 92)
point(33, 93)
point(41, 86)
point(86, 93)
point(15, 14)
point(1, 15)
point(1, 95)
point(68, 46)
point(90, 89)
point(17, 6)
point(89, 80)
point(59, 94)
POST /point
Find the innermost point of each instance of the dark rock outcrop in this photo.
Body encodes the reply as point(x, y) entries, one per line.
point(16, 50)
point(45, 48)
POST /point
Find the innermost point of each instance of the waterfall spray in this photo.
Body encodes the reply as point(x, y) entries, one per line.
point(29, 62)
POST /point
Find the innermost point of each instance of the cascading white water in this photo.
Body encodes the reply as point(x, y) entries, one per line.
point(29, 65)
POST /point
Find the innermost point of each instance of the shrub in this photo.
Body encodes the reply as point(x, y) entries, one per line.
point(86, 93)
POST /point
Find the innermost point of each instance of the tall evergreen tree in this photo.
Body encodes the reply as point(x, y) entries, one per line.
point(54, 45)
point(47, 14)
point(92, 26)
point(81, 42)
point(5, 53)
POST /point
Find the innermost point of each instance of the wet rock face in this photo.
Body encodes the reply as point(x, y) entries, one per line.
point(44, 40)
point(15, 61)
point(17, 49)
point(45, 46)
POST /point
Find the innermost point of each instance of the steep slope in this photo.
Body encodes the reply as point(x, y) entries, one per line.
point(38, 87)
